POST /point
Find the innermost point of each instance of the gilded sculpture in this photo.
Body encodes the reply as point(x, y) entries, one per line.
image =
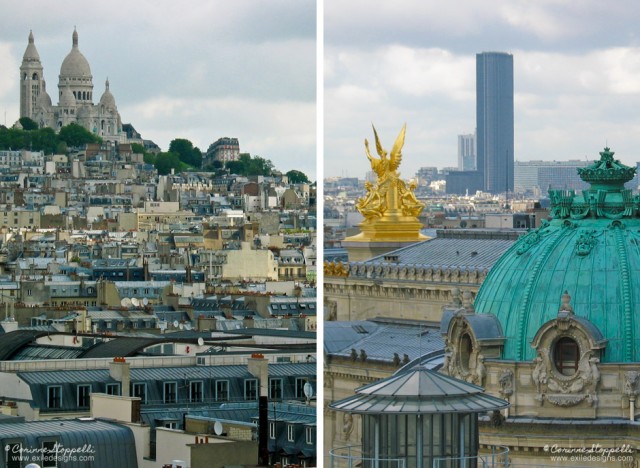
point(390, 194)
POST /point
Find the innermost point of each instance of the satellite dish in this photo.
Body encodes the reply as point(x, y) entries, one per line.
point(200, 342)
point(217, 428)
point(187, 326)
point(135, 302)
point(145, 302)
point(175, 324)
point(308, 390)
point(181, 327)
point(126, 302)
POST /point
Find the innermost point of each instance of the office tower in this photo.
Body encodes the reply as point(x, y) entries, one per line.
point(494, 120)
point(467, 152)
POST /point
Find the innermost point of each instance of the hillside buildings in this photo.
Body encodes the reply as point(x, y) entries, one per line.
point(147, 300)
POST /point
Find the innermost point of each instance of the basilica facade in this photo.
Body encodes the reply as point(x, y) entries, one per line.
point(75, 95)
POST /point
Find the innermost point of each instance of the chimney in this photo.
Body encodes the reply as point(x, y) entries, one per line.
point(119, 370)
point(259, 368)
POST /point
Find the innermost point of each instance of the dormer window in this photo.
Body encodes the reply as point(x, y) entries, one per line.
point(566, 354)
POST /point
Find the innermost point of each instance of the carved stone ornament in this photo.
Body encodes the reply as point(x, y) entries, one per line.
point(347, 425)
point(552, 385)
point(566, 390)
point(631, 381)
point(462, 354)
point(506, 383)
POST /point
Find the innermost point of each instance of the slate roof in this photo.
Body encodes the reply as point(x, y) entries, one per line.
point(120, 347)
point(450, 253)
point(381, 339)
point(164, 373)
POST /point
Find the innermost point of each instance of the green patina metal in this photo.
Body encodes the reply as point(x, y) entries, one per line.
point(590, 248)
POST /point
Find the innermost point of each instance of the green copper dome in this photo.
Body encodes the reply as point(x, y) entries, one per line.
point(591, 249)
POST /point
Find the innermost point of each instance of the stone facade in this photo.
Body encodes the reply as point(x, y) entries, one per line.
point(75, 96)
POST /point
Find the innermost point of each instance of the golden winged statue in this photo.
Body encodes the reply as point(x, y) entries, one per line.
point(390, 194)
point(383, 166)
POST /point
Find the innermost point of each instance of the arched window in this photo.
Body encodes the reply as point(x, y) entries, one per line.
point(466, 346)
point(566, 354)
point(35, 76)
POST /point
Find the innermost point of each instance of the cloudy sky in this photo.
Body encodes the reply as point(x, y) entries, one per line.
point(576, 77)
point(191, 69)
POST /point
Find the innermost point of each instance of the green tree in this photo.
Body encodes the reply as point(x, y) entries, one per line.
point(75, 135)
point(137, 148)
point(149, 158)
point(44, 139)
point(28, 123)
point(297, 177)
point(166, 161)
point(248, 166)
point(186, 152)
point(260, 166)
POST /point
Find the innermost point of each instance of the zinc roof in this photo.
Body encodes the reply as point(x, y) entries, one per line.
point(380, 341)
point(419, 390)
point(450, 253)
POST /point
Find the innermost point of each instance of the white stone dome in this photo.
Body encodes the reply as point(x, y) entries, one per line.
point(84, 112)
point(107, 100)
point(75, 65)
point(67, 99)
point(44, 100)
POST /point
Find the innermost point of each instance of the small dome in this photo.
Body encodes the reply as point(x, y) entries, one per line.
point(67, 99)
point(75, 65)
point(107, 99)
point(44, 100)
point(84, 112)
point(31, 53)
point(589, 251)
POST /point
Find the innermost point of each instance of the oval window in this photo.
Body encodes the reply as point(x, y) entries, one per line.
point(466, 346)
point(566, 354)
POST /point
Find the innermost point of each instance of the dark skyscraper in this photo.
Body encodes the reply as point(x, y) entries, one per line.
point(494, 118)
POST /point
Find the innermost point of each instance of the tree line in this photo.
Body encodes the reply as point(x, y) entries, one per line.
point(181, 156)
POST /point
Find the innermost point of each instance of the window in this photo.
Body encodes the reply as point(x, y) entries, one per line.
point(195, 391)
point(310, 439)
point(251, 389)
point(275, 389)
point(272, 430)
point(466, 346)
point(566, 356)
point(170, 391)
point(171, 425)
point(291, 433)
point(54, 397)
point(140, 391)
point(13, 454)
point(49, 454)
point(113, 389)
point(222, 390)
point(84, 396)
point(300, 383)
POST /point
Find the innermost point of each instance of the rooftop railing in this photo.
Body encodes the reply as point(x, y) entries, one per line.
point(353, 457)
